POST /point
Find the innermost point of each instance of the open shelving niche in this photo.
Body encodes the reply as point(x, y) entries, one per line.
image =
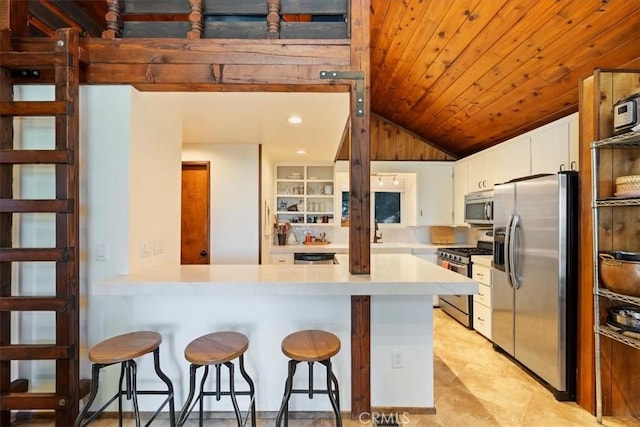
point(627, 141)
point(305, 194)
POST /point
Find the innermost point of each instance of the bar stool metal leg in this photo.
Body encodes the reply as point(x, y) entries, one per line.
point(333, 397)
point(252, 391)
point(132, 390)
point(95, 374)
point(167, 381)
point(184, 413)
point(288, 386)
point(201, 395)
point(232, 393)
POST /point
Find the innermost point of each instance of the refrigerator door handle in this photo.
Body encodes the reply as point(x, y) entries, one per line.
point(511, 249)
point(507, 253)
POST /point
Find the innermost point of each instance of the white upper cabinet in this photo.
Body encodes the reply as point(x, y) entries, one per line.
point(554, 147)
point(435, 192)
point(481, 171)
point(460, 188)
point(512, 160)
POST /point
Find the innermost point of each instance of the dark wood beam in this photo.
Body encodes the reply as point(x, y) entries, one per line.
point(359, 228)
point(18, 18)
point(82, 18)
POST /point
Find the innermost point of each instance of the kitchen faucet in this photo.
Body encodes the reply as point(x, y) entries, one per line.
point(377, 236)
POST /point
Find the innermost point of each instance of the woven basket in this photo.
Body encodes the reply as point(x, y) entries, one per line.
point(620, 276)
point(627, 184)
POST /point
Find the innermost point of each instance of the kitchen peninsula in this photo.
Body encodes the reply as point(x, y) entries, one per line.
point(267, 302)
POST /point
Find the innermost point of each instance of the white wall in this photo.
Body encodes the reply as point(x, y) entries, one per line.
point(154, 184)
point(235, 204)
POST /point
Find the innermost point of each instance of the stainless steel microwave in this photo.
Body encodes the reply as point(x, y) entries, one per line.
point(478, 208)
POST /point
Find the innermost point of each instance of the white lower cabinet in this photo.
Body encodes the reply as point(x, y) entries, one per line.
point(281, 259)
point(482, 300)
point(482, 319)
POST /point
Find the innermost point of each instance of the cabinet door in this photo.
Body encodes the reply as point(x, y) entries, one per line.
point(477, 181)
point(511, 160)
point(435, 194)
point(460, 188)
point(550, 149)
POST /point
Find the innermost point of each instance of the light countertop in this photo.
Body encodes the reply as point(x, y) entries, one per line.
point(391, 274)
point(384, 247)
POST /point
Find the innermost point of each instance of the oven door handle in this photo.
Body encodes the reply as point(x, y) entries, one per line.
point(506, 251)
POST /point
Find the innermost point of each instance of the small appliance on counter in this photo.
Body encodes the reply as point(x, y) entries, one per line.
point(626, 114)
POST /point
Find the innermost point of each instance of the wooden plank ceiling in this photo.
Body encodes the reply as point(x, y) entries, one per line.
point(468, 74)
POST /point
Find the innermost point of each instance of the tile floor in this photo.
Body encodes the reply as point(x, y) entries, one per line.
point(474, 387)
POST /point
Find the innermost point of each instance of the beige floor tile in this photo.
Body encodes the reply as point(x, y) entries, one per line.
point(475, 386)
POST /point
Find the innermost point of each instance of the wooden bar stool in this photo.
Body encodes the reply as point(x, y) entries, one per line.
point(217, 348)
point(124, 349)
point(310, 346)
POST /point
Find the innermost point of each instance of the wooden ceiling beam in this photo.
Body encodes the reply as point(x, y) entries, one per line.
point(81, 17)
point(41, 26)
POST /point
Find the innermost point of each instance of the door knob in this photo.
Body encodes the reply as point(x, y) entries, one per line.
point(203, 252)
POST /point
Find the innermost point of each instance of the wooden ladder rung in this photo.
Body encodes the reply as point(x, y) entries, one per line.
point(35, 254)
point(49, 205)
point(32, 157)
point(16, 303)
point(17, 60)
point(57, 206)
point(36, 108)
point(34, 352)
point(22, 401)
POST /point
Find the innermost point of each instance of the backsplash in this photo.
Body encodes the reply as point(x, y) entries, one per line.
point(340, 235)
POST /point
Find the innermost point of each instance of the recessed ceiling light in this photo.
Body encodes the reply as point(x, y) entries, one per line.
point(301, 152)
point(294, 120)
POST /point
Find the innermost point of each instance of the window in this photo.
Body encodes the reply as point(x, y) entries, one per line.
point(386, 207)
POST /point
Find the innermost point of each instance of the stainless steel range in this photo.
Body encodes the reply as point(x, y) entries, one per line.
point(460, 307)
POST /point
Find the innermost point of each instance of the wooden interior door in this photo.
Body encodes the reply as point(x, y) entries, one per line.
point(194, 231)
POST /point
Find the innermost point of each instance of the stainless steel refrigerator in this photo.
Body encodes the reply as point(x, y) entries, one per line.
point(534, 287)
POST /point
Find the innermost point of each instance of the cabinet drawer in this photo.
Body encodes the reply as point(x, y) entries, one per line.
point(483, 296)
point(482, 319)
point(281, 259)
point(481, 273)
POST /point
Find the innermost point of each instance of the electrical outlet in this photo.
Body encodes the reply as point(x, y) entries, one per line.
point(397, 359)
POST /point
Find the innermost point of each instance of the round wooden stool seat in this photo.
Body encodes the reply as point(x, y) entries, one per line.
point(216, 348)
point(125, 347)
point(311, 345)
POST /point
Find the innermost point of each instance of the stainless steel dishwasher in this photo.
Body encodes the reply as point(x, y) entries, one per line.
point(313, 258)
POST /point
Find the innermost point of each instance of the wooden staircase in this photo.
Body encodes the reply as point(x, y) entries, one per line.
point(58, 57)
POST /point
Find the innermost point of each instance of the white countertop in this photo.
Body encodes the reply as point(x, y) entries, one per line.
point(391, 274)
point(384, 247)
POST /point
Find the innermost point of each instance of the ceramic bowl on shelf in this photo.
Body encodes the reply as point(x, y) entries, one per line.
point(620, 275)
